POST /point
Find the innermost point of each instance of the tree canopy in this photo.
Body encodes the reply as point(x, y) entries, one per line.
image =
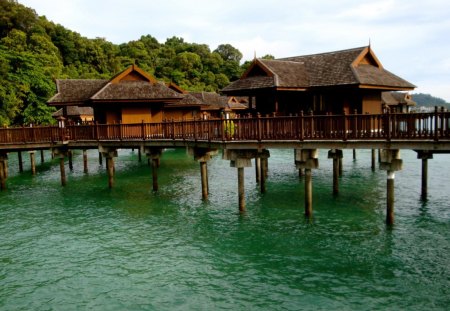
point(35, 51)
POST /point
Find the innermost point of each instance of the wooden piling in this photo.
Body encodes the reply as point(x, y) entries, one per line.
point(139, 155)
point(336, 175)
point(3, 174)
point(424, 191)
point(155, 174)
point(263, 175)
point(301, 173)
point(70, 154)
point(85, 161)
point(100, 159)
point(373, 160)
point(62, 170)
point(42, 157)
point(110, 165)
point(308, 193)
point(390, 198)
point(20, 160)
point(340, 165)
point(241, 189)
point(204, 178)
point(354, 154)
point(33, 163)
point(258, 169)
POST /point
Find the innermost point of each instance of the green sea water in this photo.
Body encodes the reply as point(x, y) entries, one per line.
point(87, 247)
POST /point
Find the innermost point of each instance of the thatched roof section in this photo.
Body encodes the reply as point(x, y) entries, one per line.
point(75, 91)
point(214, 101)
point(135, 90)
point(74, 111)
point(357, 67)
point(397, 98)
point(188, 100)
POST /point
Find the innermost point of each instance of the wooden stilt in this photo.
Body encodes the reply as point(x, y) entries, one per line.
point(258, 169)
point(340, 165)
point(204, 177)
point(354, 154)
point(373, 160)
point(5, 166)
point(301, 173)
point(33, 163)
point(2, 176)
point(42, 157)
point(335, 175)
point(424, 192)
point(263, 175)
point(241, 189)
point(390, 198)
point(62, 170)
point(85, 161)
point(139, 155)
point(19, 155)
point(155, 174)
point(110, 165)
point(70, 154)
point(100, 158)
point(308, 193)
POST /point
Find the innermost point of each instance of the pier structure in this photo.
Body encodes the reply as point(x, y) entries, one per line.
point(426, 133)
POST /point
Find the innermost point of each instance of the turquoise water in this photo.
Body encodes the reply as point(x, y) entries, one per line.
point(86, 247)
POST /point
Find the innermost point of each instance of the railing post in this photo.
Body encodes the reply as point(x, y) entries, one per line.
point(344, 126)
point(311, 123)
point(302, 126)
point(388, 125)
point(436, 123)
point(258, 128)
point(142, 130)
point(195, 129)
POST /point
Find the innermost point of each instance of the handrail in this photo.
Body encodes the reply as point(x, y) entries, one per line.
point(411, 126)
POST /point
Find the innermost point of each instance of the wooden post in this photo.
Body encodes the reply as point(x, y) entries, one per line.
point(308, 192)
point(5, 166)
point(263, 175)
point(42, 157)
point(33, 163)
point(354, 154)
point(340, 165)
point(241, 189)
point(155, 174)
point(258, 169)
point(390, 198)
point(424, 178)
point(19, 154)
point(70, 154)
point(62, 170)
point(335, 175)
point(100, 159)
point(3, 174)
point(139, 155)
point(85, 161)
point(373, 160)
point(110, 165)
point(204, 178)
point(301, 173)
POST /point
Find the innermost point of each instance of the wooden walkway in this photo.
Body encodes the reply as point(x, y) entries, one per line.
point(244, 139)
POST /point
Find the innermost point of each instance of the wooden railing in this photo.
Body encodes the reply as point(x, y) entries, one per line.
point(411, 126)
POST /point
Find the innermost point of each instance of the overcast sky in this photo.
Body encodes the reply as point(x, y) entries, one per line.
point(410, 37)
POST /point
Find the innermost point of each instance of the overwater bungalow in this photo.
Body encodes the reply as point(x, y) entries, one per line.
point(335, 82)
point(132, 96)
point(397, 101)
point(217, 106)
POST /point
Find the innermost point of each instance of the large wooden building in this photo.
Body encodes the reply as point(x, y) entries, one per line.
point(349, 80)
point(132, 96)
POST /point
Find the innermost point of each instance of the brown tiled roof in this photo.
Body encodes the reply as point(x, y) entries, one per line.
point(73, 91)
point(188, 100)
point(135, 90)
point(396, 98)
point(318, 70)
point(216, 101)
point(74, 111)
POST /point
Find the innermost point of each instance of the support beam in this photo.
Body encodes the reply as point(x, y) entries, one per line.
point(424, 155)
point(354, 154)
point(153, 155)
point(203, 155)
point(61, 153)
point(336, 155)
point(85, 161)
point(70, 154)
point(341, 166)
point(33, 162)
point(20, 160)
point(100, 159)
point(263, 175)
point(204, 179)
point(3, 170)
point(373, 160)
point(258, 169)
point(241, 189)
point(42, 157)
point(139, 155)
point(390, 162)
point(109, 154)
point(307, 159)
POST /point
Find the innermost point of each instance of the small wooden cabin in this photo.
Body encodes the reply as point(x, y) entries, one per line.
point(349, 80)
point(75, 114)
point(132, 96)
point(217, 106)
point(397, 101)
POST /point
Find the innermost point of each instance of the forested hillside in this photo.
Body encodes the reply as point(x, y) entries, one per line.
point(35, 51)
point(426, 100)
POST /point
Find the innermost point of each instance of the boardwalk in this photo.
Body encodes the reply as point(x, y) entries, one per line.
point(244, 139)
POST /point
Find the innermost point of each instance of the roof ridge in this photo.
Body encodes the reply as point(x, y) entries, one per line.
point(323, 53)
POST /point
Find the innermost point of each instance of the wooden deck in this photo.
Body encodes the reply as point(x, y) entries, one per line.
point(424, 131)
